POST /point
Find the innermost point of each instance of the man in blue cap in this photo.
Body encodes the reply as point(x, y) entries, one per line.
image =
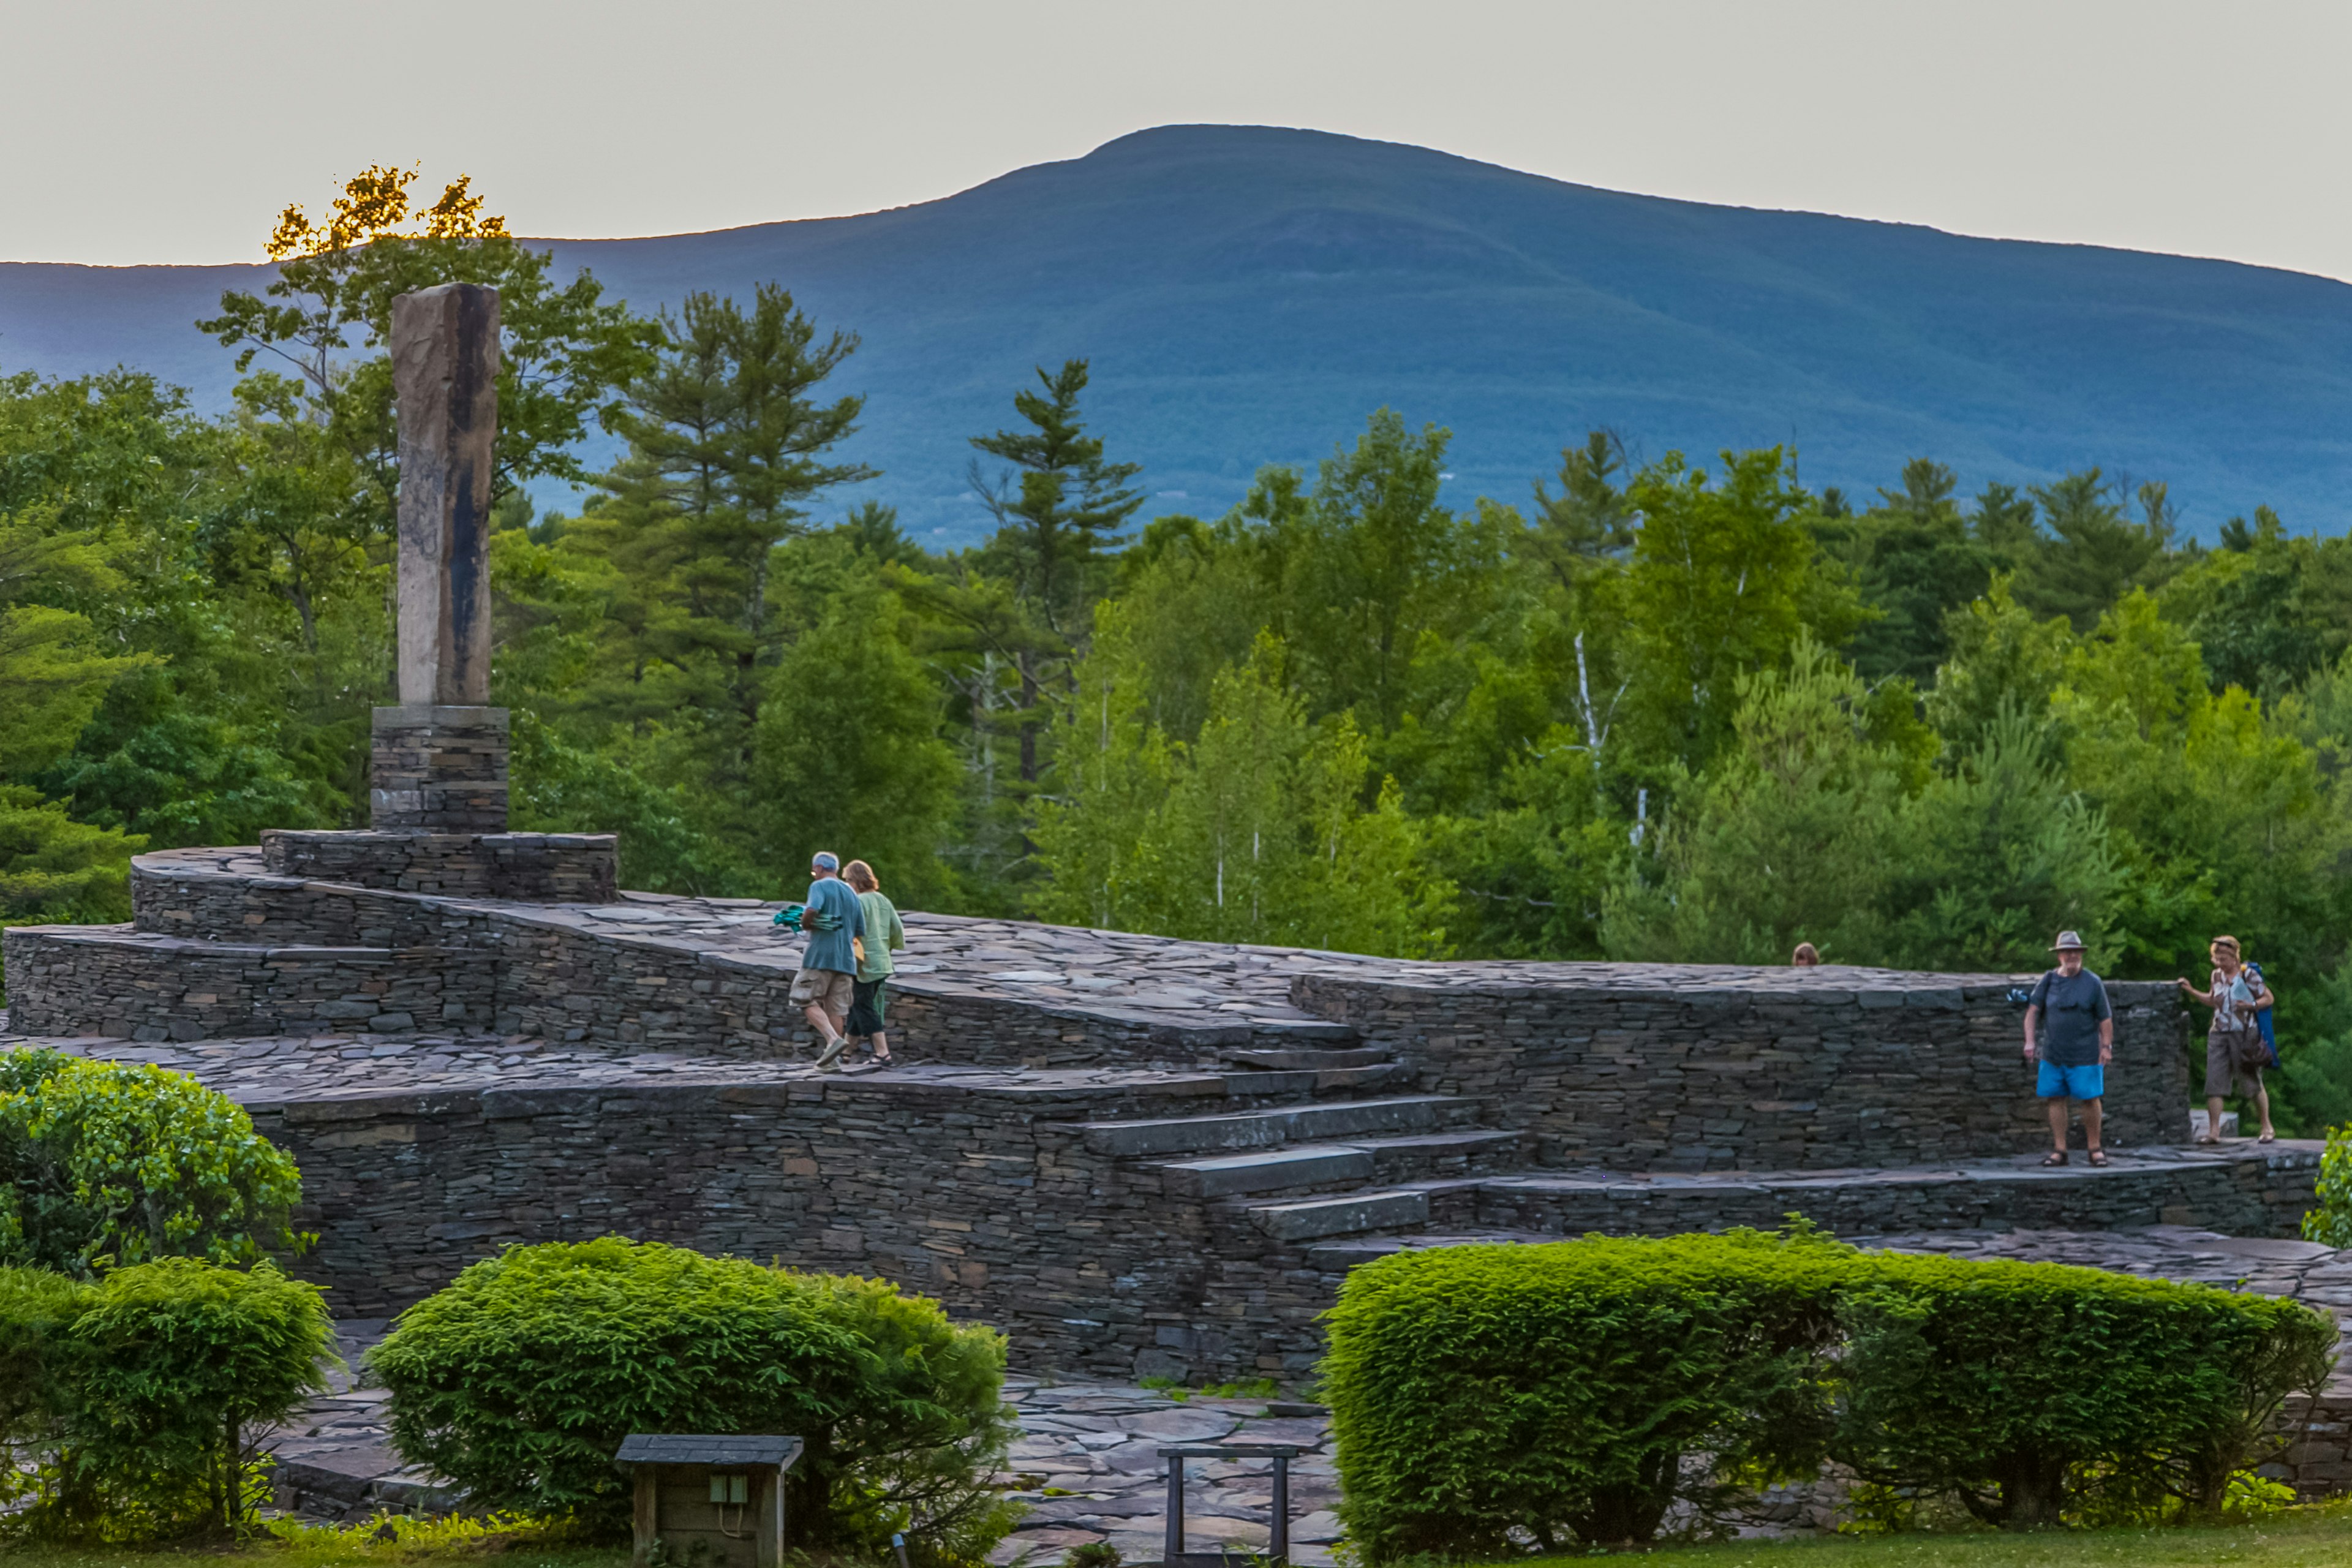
point(828, 964)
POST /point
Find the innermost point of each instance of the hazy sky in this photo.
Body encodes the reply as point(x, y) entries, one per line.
point(173, 132)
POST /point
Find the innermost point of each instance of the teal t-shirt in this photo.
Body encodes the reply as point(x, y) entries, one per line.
point(831, 949)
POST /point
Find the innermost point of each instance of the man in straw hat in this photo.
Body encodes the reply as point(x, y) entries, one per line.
point(2077, 1040)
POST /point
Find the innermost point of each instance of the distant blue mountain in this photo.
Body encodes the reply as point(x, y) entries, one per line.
point(1248, 295)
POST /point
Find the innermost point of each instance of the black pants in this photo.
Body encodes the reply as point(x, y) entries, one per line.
point(866, 1007)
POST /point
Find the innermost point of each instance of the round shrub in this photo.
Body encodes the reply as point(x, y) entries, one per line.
point(108, 1163)
point(135, 1398)
point(2020, 1387)
point(519, 1380)
point(1487, 1398)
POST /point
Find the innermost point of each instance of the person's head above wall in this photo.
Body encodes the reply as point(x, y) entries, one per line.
point(824, 863)
point(860, 876)
point(1806, 956)
point(2069, 949)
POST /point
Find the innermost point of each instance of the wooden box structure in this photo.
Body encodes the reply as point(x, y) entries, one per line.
point(709, 1501)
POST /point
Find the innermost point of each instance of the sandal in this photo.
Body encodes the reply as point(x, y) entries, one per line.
point(2058, 1158)
point(2267, 1138)
point(2098, 1156)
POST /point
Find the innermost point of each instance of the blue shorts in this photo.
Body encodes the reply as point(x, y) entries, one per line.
point(2053, 1082)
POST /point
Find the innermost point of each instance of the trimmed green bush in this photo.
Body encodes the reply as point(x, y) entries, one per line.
point(111, 1163)
point(2019, 1388)
point(1489, 1398)
point(519, 1380)
point(2330, 1224)
point(36, 1311)
point(133, 1400)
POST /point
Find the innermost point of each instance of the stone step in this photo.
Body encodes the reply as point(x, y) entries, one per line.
point(1304, 1167)
point(1342, 1214)
point(1275, 1126)
point(1340, 1255)
point(1270, 1084)
point(2243, 1189)
point(1277, 1060)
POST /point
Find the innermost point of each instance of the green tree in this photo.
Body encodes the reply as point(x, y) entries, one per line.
point(1261, 831)
point(1590, 521)
point(2219, 811)
point(1785, 840)
point(563, 350)
point(1723, 582)
point(1914, 563)
point(849, 753)
point(1378, 568)
point(729, 437)
point(2002, 657)
point(1057, 505)
point(57, 871)
point(2097, 554)
point(2268, 611)
point(1991, 859)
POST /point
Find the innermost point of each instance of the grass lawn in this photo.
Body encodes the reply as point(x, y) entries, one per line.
point(2297, 1538)
point(421, 1545)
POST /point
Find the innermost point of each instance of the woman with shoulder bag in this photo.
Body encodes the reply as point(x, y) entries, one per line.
point(2235, 1051)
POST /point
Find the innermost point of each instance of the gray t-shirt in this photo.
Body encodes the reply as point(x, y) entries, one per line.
point(831, 949)
point(2071, 1010)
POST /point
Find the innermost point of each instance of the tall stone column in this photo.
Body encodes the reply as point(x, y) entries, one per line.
point(438, 761)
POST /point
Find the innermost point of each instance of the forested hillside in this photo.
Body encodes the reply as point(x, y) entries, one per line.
point(1684, 709)
point(1244, 292)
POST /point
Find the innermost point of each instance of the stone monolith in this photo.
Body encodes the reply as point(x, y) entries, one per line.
point(438, 761)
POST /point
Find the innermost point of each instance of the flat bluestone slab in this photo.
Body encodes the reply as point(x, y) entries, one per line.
point(1299, 1165)
point(1261, 1129)
point(1282, 1060)
point(1350, 1213)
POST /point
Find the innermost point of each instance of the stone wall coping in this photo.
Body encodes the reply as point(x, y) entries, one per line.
point(441, 716)
point(163, 942)
point(1312, 989)
point(1701, 985)
point(1080, 1091)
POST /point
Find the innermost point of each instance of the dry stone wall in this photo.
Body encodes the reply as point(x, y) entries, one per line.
point(534, 867)
point(119, 986)
point(991, 1199)
point(1715, 1071)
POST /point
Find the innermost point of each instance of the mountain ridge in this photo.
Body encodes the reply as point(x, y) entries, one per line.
point(1248, 295)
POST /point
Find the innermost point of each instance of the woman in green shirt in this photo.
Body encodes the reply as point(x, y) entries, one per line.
point(883, 934)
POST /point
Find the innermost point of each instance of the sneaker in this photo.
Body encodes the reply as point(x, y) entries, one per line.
point(829, 1059)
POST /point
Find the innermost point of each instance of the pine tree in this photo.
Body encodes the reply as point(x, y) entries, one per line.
point(728, 445)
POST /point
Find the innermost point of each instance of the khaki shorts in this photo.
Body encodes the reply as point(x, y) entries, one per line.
point(2222, 1065)
point(828, 988)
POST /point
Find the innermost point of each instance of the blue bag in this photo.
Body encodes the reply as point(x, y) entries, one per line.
point(2262, 1017)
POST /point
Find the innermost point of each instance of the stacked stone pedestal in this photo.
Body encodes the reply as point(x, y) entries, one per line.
point(438, 769)
point(438, 793)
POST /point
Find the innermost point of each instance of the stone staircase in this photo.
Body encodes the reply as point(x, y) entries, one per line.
point(1315, 1161)
point(1350, 1165)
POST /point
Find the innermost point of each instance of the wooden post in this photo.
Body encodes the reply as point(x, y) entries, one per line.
point(645, 1513)
point(772, 1539)
point(1175, 1547)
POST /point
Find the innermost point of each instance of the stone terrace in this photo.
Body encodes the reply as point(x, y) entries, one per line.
point(1138, 1155)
